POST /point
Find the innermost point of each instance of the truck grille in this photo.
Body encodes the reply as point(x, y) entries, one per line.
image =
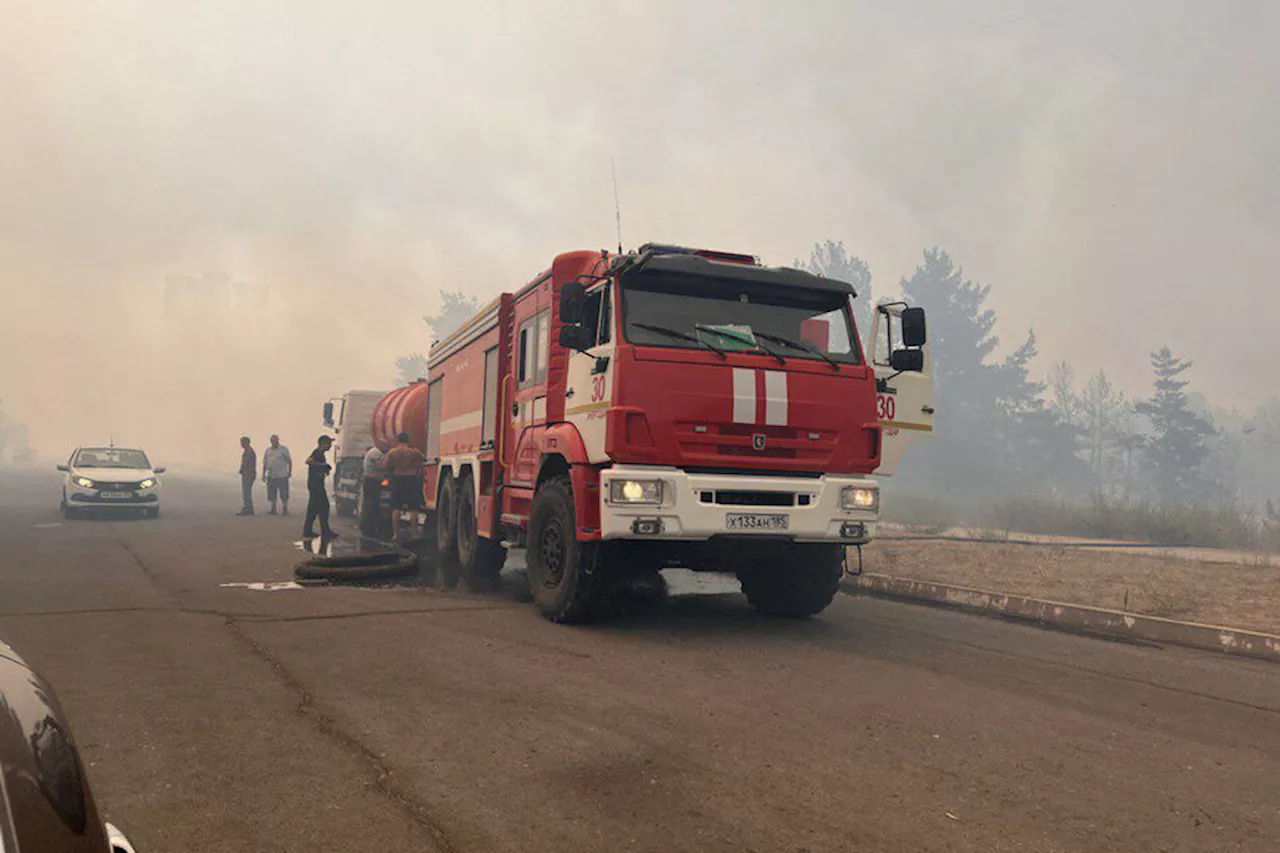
point(701, 440)
point(733, 497)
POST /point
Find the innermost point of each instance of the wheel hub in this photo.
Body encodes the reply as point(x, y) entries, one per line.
point(551, 549)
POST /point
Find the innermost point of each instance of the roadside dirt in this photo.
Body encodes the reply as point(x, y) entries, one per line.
point(1239, 595)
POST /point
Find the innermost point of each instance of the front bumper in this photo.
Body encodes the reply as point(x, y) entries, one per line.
point(686, 513)
point(93, 499)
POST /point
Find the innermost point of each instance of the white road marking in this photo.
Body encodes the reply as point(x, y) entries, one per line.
point(265, 587)
point(681, 582)
point(50, 524)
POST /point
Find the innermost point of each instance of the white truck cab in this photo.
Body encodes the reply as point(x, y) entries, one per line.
point(351, 419)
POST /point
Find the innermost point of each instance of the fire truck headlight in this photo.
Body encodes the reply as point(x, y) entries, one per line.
point(635, 492)
point(860, 497)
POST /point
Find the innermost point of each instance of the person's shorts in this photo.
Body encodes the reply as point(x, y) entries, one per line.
point(277, 486)
point(406, 492)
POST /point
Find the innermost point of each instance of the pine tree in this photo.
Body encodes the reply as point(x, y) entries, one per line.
point(1178, 446)
point(1039, 442)
point(831, 260)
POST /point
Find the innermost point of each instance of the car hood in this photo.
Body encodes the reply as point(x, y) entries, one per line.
point(6, 651)
point(118, 475)
point(45, 801)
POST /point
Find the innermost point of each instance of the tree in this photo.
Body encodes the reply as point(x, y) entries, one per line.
point(831, 260)
point(1062, 380)
point(1040, 443)
point(411, 368)
point(1178, 446)
point(1104, 420)
point(456, 308)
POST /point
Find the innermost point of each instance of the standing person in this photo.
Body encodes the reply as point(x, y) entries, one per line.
point(277, 468)
point(248, 472)
point(404, 465)
point(371, 491)
point(317, 499)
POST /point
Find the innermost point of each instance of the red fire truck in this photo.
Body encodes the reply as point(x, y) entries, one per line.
point(621, 413)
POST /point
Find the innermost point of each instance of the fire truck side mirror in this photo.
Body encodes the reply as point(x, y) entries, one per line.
point(328, 414)
point(578, 338)
point(913, 328)
point(907, 360)
point(572, 296)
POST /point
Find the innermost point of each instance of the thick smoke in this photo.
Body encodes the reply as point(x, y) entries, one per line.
point(1108, 168)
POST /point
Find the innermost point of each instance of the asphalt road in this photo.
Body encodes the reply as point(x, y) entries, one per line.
point(225, 718)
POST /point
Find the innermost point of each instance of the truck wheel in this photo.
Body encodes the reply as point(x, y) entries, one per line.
point(561, 576)
point(447, 533)
point(480, 559)
point(800, 581)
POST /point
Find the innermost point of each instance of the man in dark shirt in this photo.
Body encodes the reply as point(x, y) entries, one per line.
point(317, 499)
point(248, 473)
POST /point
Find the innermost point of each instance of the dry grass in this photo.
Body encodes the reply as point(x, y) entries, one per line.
point(1241, 595)
point(1212, 525)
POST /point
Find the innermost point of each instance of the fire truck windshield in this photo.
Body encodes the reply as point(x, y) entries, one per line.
point(738, 317)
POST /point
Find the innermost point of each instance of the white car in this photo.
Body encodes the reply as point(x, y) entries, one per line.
point(110, 478)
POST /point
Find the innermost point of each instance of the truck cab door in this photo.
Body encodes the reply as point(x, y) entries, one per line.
point(526, 414)
point(904, 395)
point(588, 387)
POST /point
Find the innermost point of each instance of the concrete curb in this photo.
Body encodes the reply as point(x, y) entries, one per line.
point(1071, 617)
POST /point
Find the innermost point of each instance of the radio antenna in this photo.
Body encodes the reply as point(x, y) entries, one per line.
point(617, 208)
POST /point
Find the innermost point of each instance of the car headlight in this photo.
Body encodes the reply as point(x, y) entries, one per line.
point(860, 497)
point(147, 483)
point(83, 482)
point(635, 491)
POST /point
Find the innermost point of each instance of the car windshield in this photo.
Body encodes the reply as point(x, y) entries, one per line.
point(698, 313)
point(111, 457)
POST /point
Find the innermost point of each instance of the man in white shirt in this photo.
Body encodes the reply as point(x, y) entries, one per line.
point(372, 491)
point(277, 468)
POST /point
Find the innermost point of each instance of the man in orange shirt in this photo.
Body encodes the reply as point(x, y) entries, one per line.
point(403, 465)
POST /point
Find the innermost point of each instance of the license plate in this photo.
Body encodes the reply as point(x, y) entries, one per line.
point(116, 496)
point(755, 521)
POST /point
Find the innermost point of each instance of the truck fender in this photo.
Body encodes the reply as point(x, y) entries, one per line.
point(563, 439)
point(563, 451)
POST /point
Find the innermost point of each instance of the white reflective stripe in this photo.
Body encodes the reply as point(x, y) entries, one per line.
point(468, 421)
point(775, 398)
point(744, 396)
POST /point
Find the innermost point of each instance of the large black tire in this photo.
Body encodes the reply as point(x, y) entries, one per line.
point(796, 581)
point(562, 576)
point(447, 533)
point(479, 559)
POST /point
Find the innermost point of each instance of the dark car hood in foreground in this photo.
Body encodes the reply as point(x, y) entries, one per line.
point(45, 802)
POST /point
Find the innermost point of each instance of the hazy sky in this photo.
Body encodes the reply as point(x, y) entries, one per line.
point(1109, 168)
